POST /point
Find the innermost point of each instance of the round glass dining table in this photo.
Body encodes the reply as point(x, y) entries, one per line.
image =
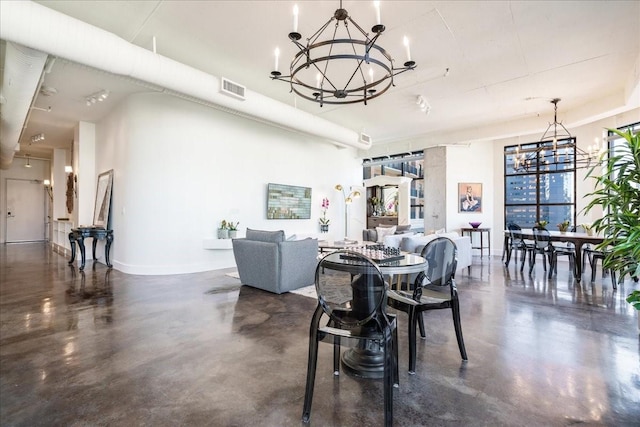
point(368, 361)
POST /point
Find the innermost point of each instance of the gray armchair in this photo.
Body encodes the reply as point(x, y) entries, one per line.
point(267, 261)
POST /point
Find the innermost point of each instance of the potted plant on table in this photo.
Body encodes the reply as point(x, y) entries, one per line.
point(618, 194)
point(563, 226)
point(542, 223)
point(374, 202)
point(233, 229)
point(588, 228)
point(324, 221)
point(223, 230)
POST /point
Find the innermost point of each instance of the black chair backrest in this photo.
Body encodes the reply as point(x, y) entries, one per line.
point(442, 258)
point(354, 297)
point(542, 237)
point(515, 232)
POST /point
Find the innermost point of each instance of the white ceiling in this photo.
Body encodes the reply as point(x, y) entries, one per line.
point(507, 59)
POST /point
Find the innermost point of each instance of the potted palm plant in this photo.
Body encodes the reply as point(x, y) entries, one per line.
point(618, 193)
point(634, 299)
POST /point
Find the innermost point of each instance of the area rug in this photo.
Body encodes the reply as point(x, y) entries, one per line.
point(233, 274)
point(307, 291)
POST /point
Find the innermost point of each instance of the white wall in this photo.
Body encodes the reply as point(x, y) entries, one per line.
point(180, 168)
point(473, 163)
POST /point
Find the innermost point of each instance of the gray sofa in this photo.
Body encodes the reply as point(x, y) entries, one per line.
point(267, 261)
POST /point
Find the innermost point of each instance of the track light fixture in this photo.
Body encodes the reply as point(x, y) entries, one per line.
point(97, 97)
point(423, 104)
point(37, 138)
point(46, 110)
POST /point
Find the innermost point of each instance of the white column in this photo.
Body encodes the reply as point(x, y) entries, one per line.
point(84, 145)
point(59, 183)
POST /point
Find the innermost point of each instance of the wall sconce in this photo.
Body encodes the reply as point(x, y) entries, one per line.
point(96, 97)
point(48, 188)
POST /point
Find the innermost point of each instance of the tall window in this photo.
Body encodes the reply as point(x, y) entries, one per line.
point(540, 182)
point(615, 141)
point(407, 164)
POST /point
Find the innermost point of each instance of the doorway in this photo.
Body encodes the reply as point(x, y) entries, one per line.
point(25, 219)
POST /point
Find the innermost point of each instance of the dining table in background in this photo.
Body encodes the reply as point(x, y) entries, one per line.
point(578, 240)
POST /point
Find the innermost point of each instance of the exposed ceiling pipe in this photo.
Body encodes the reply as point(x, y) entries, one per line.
point(41, 28)
point(22, 72)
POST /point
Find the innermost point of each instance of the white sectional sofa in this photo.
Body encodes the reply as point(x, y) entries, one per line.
point(414, 243)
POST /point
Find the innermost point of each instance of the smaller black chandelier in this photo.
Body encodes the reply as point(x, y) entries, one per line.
point(341, 69)
point(557, 149)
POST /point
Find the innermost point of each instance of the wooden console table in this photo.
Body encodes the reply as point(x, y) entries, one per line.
point(78, 235)
point(482, 247)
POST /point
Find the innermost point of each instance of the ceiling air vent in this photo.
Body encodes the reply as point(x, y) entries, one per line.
point(232, 89)
point(364, 138)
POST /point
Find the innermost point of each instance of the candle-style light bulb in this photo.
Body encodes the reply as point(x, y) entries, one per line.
point(370, 75)
point(295, 18)
point(277, 54)
point(376, 4)
point(318, 80)
point(405, 41)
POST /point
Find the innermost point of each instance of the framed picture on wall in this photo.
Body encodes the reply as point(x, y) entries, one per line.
point(288, 202)
point(103, 200)
point(470, 197)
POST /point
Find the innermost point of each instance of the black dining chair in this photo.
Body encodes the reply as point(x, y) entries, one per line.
point(433, 289)
point(567, 249)
point(593, 261)
point(587, 248)
point(351, 311)
point(542, 245)
point(517, 243)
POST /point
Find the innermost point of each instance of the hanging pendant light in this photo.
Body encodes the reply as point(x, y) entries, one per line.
point(341, 69)
point(557, 149)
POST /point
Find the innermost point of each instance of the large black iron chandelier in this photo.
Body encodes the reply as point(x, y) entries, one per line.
point(556, 150)
point(341, 69)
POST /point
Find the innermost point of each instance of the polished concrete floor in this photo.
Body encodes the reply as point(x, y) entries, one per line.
point(107, 348)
